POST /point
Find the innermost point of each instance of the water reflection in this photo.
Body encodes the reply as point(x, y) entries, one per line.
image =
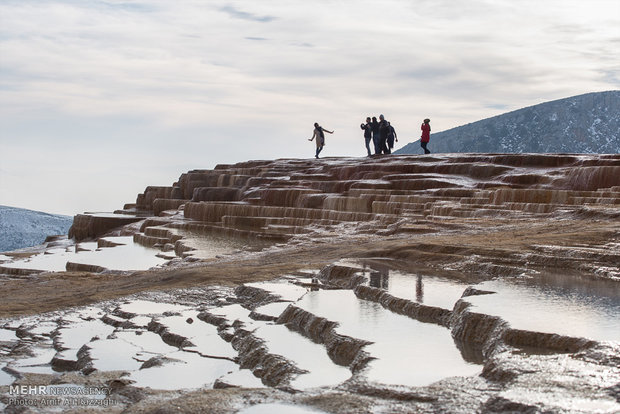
point(125, 256)
point(562, 304)
point(419, 290)
point(408, 352)
point(379, 276)
point(423, 289)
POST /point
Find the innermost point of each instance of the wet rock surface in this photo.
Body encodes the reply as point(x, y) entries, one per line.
point(447, 283)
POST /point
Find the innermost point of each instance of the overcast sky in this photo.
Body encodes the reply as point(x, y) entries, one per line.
point(100, 98)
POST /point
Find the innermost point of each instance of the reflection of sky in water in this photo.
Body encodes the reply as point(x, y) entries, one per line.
point(148, 307)
point(75, 335)
point(305, 354)
point(409, 352)
point(426, 290)
point(6, 379)
point(562, 304)
point(285, 290)
point(7, 335)
point(209, 245)
point(39, 363)
point(272, 309)
point(243, 378)
point(115, 355)
point(190, 372)
point(204, 336)
point(129, 256)
point(148, 342)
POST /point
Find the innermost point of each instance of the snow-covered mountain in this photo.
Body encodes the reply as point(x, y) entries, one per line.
point(587, 123)
point(21, 228)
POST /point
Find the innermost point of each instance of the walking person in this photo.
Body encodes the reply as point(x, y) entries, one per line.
point(383, 134)
point(320, 138)
point(376, 139)
point(367, 127)
point(426, 135)
point(391, 138)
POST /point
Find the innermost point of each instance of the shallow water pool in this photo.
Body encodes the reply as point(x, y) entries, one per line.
point(408, 352)
point(560, 304)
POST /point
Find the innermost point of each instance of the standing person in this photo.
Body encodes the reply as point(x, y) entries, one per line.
point(320, 138)
point(391, 137)
point(426, 135)
point(383, 133)
point(375, 135)
point(367, 127)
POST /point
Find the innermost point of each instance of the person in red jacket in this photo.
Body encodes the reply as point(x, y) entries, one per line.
point(426, 135)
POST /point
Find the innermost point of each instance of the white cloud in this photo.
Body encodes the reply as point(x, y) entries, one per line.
point(196, 76)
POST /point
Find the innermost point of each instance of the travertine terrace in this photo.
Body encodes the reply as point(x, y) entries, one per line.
point(507, 263)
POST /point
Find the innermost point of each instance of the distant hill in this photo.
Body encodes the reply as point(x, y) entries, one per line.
point(587, 123)
point(21, 228)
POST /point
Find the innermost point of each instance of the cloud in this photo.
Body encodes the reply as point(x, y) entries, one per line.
point(240, 14)
point(165, 83)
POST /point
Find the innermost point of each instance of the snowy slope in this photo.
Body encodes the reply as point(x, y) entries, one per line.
point(24, 228)
point(587, 123)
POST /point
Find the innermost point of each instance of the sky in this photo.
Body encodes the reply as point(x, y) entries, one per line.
point(101, 98)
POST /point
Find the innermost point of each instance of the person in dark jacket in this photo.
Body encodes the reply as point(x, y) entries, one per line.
point(376, 139)
point(367, 127)
point(384, 127)
point(391, 137)
point(320, 138)
point(426, 135)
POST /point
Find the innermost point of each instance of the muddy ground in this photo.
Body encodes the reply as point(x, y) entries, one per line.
point(459, 249)
point(54, 291)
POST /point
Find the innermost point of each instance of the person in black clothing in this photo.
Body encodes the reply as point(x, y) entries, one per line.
point(390, 138)
point(383, 134)
point(376, 139)
point(367, 127)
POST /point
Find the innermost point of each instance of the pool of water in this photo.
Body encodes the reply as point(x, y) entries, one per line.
point(422, 289)
point(284, 289)
point(305, 354)
point(208, 245)
point(5, 378)
point(233, 312)
point(38, 363)
point(561, 304)
point(191, 371)
point(272, 309)
point(408, 352)
point(125, 257)
point(298, 349)
point(116, 355)
point(243, 378)
point(7, 335)
point(73, 336)
point(43, 328)
point(147, 307)
point(204, 336)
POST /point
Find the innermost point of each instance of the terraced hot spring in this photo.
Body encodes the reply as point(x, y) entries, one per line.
point(407, 352)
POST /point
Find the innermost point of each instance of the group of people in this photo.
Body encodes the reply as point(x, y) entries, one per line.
point(380, 132)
